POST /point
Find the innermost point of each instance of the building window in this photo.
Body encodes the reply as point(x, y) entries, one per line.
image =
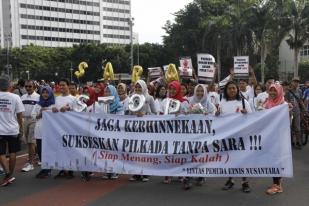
point(45, 18)
point(111, 18)
point(87, 3)
point(124, 28)
point(114, 36)
point(116, 10)
point(117, 2)
point(46, 38)
point(47, 8)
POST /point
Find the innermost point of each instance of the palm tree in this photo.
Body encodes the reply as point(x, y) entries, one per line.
point(299, 28)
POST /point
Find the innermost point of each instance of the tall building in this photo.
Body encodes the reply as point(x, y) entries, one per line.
point(62, 23)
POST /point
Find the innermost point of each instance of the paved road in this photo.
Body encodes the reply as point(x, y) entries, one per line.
point(30, 191)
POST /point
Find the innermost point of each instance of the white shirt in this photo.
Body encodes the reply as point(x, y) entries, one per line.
point(260, 100)
point(29, 102)
point(234, 106)
point(159, 105)
point(125, 104)
point(184, 107)
point(38, 125)
point(10, 105)
point(214, 97)
point(62, 101)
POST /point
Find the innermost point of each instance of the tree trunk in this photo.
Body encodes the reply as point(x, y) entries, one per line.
point(219, 58)
point(296, 52)
point(263, 58)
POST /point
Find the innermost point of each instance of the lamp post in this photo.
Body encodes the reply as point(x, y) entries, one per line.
point(131, 24)
point(71, 70)
point(28, 74)
point(8, 66)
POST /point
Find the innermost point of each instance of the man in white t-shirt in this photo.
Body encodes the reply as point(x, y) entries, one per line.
point(64, 103)
point(29, 100)
point(262, 97)
point(11, 128)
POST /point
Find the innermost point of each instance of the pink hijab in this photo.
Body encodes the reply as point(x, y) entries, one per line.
point(278, 100)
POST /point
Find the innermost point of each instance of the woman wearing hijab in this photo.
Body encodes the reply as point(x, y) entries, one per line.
point(200, 96)
point(46, 102)
point(199, 104)
point(232, 102)
point(122, 92)
point(115, 107)
point(149, 108)
point(276, 97)
point(99, 90)
point(174, 92)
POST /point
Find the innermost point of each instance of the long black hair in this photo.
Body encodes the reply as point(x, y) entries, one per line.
point(225, 95)
point(157, 94)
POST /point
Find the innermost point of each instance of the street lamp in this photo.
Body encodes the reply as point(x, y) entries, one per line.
point(28, 74)
point(131, 24)
point(8, 39)
point(71, 70)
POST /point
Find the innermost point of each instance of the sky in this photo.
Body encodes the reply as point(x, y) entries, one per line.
point(151, 15)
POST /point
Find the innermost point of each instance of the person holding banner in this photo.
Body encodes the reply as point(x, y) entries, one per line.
point(262, 97)
point(122, 92)
point(184, 90)
point(64, 103)
point(46, 102)
point(160, 95)
point(148, 108)
point(258, 89)
point(276, 97)
point(201, 97)
point(199, 104)
point(232, 102)
point(174, 92)
point(213, 95)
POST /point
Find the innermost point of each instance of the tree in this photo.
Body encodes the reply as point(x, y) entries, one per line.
point(299, 28)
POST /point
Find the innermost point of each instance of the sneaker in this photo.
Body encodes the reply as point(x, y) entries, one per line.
point(200, 181)
point(145, 179)
point(28, 167)
point(39, 163)
point(61, 174)
point(114, 176)
point(133, 178)
point(7, 180)
point(274, 189)
point(246, 187)
point(106, 176)
point(187, 184)
point(2, 172)
point(86, 176)
point(43, 174)
point(228, 185)
point(70, 175)
point(167, 180)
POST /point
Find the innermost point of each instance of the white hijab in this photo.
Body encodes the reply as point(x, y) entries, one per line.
point(195, 100)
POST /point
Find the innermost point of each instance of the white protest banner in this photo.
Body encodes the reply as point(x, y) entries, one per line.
point(241, 66)
point(206, 67)
point(155, 72)
point(234, 145)
point(186, 68)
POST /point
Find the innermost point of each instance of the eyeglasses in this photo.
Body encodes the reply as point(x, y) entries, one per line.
point(28, 86)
